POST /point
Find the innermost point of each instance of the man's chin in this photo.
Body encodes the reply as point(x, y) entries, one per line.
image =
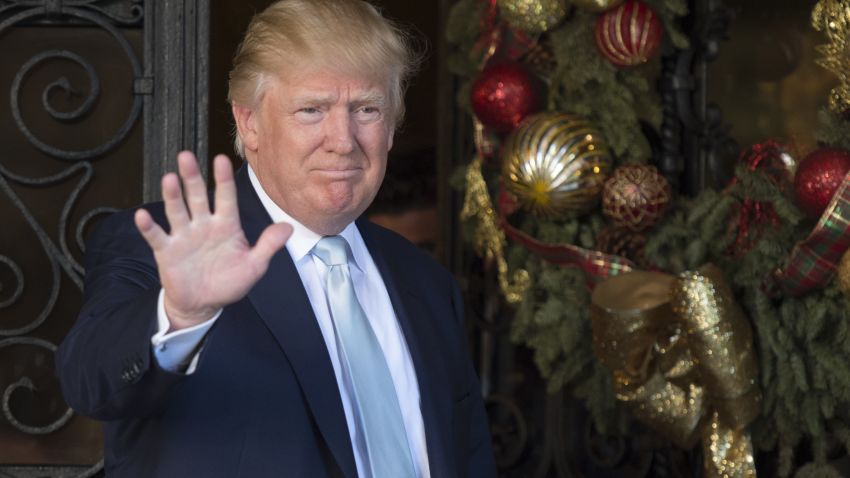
point(339, 174)
point(334, 216)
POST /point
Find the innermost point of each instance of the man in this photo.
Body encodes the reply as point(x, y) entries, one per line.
point(342, 354)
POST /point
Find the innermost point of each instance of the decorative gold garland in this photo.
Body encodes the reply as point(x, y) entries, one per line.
point(833, 17)
point(489, 240)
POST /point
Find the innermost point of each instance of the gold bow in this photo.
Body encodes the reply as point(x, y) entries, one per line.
point(682, 357)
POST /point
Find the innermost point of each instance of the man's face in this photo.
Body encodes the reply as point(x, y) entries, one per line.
point(318, 142)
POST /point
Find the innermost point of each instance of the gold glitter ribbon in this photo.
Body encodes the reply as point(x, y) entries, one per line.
point(489, 240)
point(682, 357)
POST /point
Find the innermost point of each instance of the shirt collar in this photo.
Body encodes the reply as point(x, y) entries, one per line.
point(302, 240)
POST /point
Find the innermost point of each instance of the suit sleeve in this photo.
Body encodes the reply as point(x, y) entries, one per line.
point(481, 462)
point(105, 363)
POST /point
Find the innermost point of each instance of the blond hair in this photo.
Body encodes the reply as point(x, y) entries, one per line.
point(346, 35)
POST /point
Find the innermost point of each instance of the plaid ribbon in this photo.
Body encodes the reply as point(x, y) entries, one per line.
point(596, 265)
point(813, 261)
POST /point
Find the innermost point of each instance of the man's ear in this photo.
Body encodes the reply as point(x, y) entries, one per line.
point(246, 126)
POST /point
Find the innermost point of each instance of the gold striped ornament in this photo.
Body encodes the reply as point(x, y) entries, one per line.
point(629, 34)
point(556, 164)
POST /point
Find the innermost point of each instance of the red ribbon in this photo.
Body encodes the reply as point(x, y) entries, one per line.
point(596, 265)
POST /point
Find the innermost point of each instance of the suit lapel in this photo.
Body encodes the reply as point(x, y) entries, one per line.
point(282, 303)
point(435, 399)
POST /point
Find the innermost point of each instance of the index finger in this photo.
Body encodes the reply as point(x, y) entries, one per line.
point(194, 187)
point(225, 188)
point(150, 230)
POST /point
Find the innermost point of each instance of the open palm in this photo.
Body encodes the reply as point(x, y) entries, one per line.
point(205, 262)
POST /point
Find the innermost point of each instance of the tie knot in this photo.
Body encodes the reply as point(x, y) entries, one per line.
point(332, 250)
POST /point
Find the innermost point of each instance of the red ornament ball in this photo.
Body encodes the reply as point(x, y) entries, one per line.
point(504, 94)
point(629, 34)
point(635, 197)
point(818, 176)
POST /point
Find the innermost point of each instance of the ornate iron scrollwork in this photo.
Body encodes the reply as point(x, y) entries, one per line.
point(27, 384)
point(692, 127)
point(104, 15)
point(94, 85)
point(175, 36)
point(118, 12)
point(509, 429)
point(18, 284)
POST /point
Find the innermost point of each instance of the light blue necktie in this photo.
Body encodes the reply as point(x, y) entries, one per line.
point(374, 400)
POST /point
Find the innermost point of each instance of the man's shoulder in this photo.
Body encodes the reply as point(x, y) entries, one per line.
point(117, 235)
point(395, 248)
point(387, 238)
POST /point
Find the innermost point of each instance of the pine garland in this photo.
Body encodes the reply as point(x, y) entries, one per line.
point(803, 344)
point(834, 130)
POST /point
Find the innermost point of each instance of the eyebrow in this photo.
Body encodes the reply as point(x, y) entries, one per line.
point(371, 97)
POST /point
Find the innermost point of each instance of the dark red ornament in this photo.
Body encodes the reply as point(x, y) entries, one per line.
point(635, 197)
point(629, 34)
point(504, 94)
point(818, 177)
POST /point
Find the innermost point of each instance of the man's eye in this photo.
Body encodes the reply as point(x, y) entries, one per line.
point(368, 113)
point(309, 115)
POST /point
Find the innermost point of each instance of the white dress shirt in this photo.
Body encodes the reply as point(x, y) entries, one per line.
point(173, 350)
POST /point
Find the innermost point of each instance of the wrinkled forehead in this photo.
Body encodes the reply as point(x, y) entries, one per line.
point(347, 62)
point(311, 78)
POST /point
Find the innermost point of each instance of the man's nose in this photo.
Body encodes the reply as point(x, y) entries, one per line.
point(339, 134)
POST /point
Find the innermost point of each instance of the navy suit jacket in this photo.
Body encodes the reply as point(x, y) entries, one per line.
point(263, 400)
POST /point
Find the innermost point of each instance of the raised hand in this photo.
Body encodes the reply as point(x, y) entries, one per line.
point(205, 262)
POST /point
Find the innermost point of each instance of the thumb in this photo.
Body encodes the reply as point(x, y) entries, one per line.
point(270, 241)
